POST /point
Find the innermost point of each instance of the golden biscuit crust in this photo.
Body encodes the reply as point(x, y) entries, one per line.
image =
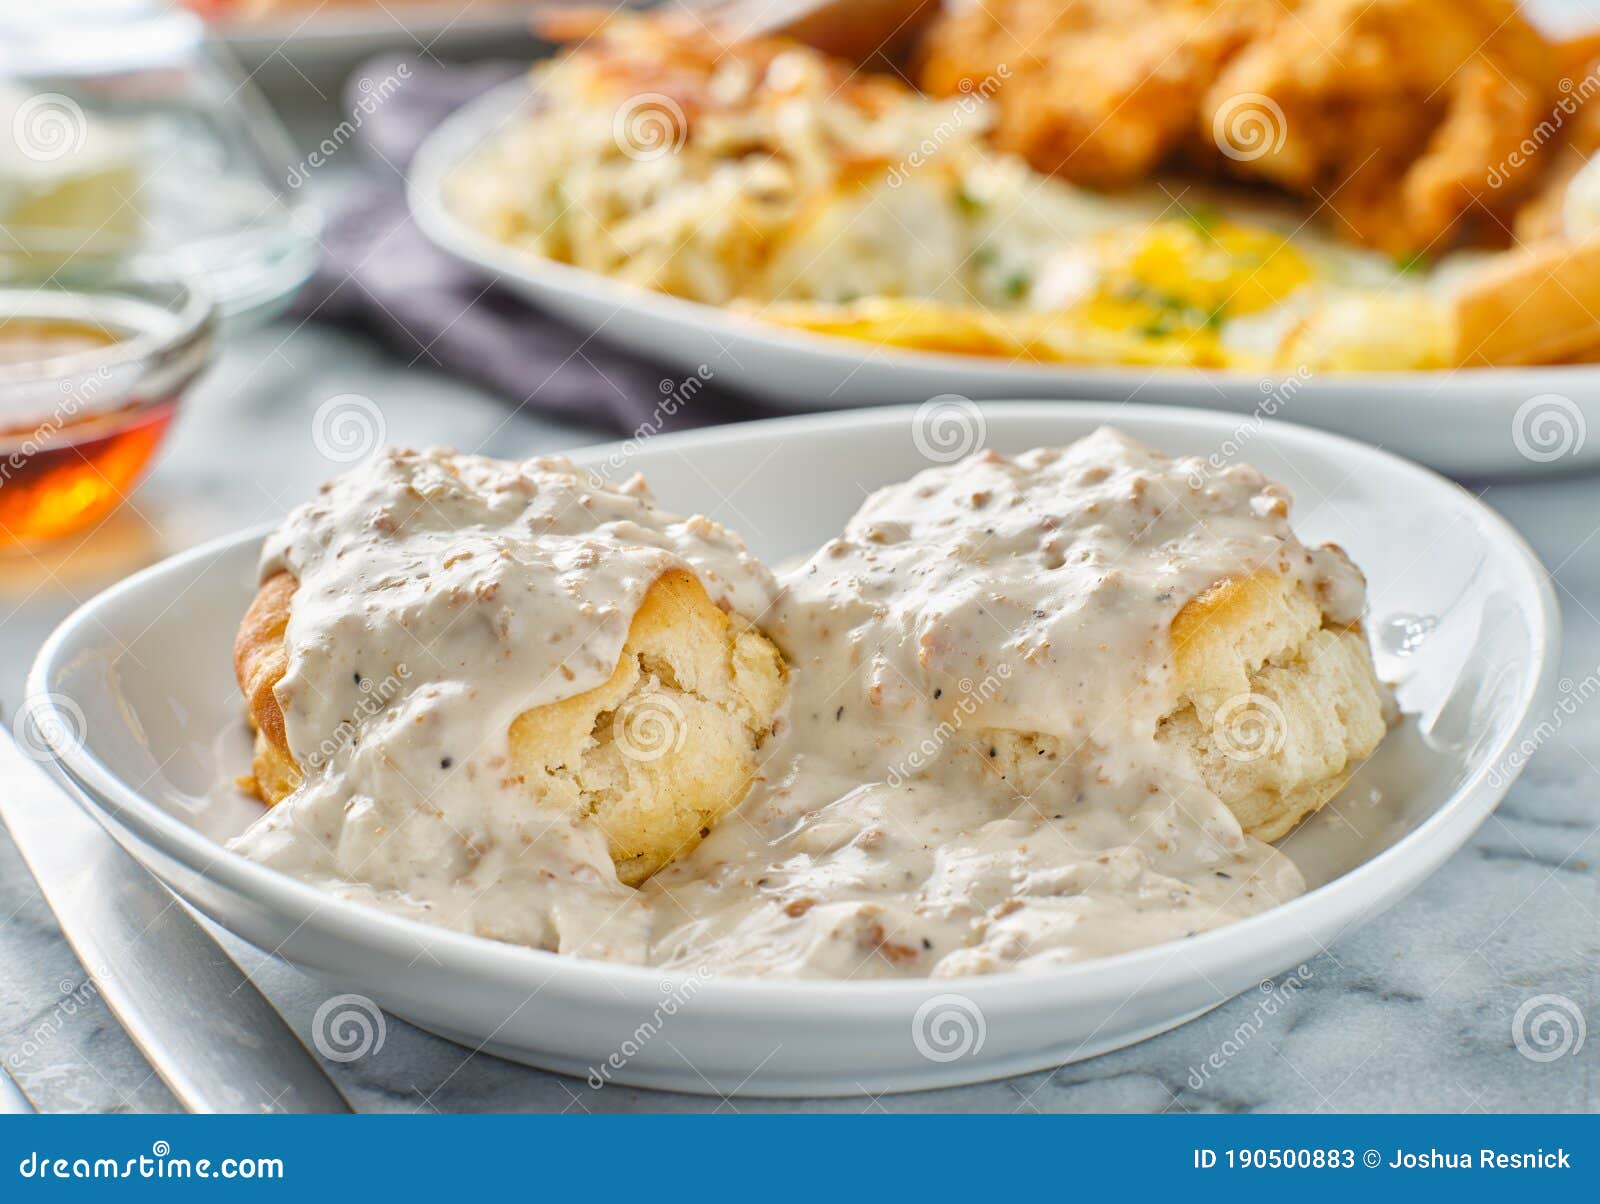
point(1535, 305)
point(259, 663)
point(655, 755)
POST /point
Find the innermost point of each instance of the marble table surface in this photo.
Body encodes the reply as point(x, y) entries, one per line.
point(1412, 1012)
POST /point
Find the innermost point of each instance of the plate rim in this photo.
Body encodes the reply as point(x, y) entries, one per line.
point(437, 20)
point(449, 143)
point(1351, 895)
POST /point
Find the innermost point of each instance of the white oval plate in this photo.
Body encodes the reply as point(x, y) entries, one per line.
point(334, 34)
point(1481, 420)
point(136, 691)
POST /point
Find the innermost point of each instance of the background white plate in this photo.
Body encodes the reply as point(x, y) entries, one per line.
point(1482, 420)
point(136, 694)
point(309, 38)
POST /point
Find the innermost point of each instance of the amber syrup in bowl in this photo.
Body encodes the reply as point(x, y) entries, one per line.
point(93, 363)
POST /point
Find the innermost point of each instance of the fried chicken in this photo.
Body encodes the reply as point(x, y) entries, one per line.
point(1398, 118)
point(1574, 127)
point(1101, 91)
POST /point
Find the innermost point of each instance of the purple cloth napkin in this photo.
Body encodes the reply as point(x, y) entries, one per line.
point(379, 273)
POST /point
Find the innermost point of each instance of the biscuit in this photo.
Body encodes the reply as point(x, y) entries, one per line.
point(655, 755)
point(1272, 707)
point(259, 662)
point(667, 746)
point(1534, 305)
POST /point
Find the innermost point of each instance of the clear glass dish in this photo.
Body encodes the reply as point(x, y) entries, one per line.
point(94, 360)
point(123, 133)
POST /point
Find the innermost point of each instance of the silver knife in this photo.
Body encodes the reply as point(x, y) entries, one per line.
point(213, 1039)
point(12, 1101)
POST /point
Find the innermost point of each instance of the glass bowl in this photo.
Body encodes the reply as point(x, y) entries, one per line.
point(123, 132)
point(94, 358)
